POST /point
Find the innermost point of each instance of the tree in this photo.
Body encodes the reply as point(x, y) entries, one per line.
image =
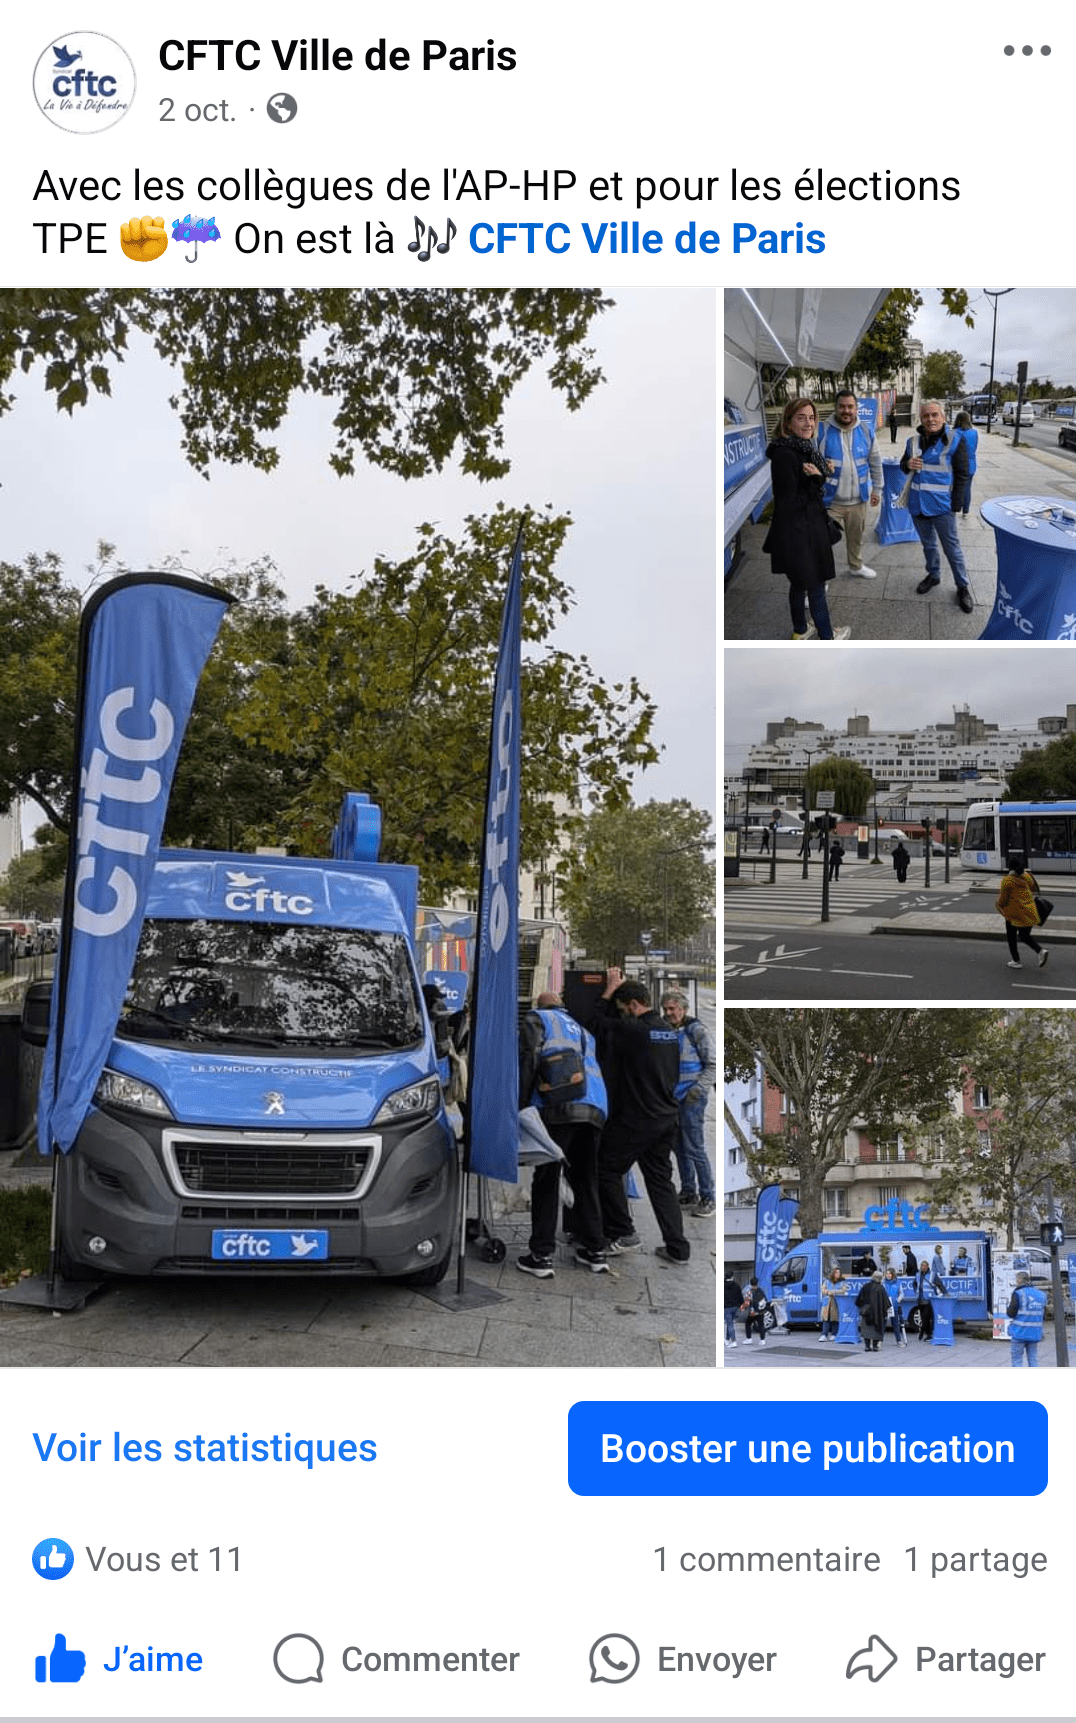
point(29, 889)
point(639, 869)
point(839, 1068)
point(385, 689)
point(852, 783)
point(942, 375)
point(994, 1166)
point(415, 376)
point(1049, 771)
point(883, 349)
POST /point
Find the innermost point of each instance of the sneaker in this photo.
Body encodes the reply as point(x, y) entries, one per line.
point(822, 1338)
point(762, 1343)
point(592, 1259)
point(688, 1199)
point(1043, 955)
point(627, 1241)
point(540, 1266)
point(811, 633)
point(841, 633)
point(730, 1343)
point(1014, 963)
point(667, 1256)
point(864, 572)
point(965, 600)
point(707, 1207)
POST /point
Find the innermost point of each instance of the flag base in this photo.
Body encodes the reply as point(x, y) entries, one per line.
point(471, 1298)
point(37, 1294)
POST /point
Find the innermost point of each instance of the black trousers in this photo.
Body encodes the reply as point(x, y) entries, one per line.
point(1012, 934)
point(652, 1152)
point(580, 1145)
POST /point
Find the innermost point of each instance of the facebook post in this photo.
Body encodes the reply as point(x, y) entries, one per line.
point(359, 1022)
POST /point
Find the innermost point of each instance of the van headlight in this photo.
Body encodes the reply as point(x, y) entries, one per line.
point(117, 1090)
point(424, 1097)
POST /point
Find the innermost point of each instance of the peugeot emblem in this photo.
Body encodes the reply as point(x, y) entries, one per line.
point(274, 1102)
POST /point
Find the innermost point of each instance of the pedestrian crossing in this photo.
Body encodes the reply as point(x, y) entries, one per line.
point(798, 902)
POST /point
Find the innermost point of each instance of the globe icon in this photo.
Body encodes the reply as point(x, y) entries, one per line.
point(282, 108)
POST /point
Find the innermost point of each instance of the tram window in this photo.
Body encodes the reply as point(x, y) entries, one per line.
point(979, 833)
point(1049, 835)
point(1012, 837)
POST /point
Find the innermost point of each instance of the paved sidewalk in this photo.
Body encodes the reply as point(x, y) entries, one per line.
point(888, 608)
point(803, 1350)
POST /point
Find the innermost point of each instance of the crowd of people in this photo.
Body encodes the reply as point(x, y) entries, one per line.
point(827, 477)
point(630, 1090)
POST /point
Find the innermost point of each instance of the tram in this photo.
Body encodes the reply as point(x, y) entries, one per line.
point(1043, 832)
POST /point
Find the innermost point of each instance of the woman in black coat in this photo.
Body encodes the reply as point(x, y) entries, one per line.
point(901, 858)
point(798, 541)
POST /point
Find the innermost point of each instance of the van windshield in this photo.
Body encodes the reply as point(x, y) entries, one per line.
point(269, 984)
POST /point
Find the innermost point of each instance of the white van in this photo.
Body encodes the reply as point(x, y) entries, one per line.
point(1008, 413)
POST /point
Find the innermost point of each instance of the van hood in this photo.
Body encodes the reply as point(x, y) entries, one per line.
point(208, 1086)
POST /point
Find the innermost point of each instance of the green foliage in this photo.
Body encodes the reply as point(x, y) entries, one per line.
point(994, 1166)
point(30, 886)
point(839, 1068)
point(942, 375)
point(415, 377)
point(1049, 771)
point(852, 782)
point(24, 1232)
point(636, 869)
point(38, 629)
point(882, 351)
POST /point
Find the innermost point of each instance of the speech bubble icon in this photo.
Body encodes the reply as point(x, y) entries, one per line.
point(613, 1658)
point(298, 1658)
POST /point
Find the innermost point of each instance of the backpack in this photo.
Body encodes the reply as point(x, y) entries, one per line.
point(562, 1073)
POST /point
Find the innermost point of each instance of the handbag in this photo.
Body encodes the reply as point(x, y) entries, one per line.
point(836, 530)
point(1044, 908)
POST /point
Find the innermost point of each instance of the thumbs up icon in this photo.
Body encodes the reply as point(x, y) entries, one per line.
point(53, 1558)
point(63, 1665)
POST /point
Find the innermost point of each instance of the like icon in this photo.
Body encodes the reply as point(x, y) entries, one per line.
point(63, 1665)
point(53, 1559)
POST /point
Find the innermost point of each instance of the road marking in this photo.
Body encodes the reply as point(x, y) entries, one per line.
point(1031, 987)
point(882, 974)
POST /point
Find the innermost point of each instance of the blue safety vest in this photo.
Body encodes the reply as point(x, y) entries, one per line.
point(932, 488)
point(561, 1033)
point(971, 443)
point(691, 1066)
point(1031, 1307)
point(831, 443)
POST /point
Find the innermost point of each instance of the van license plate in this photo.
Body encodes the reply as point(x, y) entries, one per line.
point(272, 1244)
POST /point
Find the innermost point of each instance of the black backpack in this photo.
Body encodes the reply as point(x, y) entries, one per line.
point(562, 1074)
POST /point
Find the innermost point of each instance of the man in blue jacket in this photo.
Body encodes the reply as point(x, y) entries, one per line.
point(1025, 1310)
point(854, 465)
point(558, 1073)
point(698, 1073)
point(937, 461)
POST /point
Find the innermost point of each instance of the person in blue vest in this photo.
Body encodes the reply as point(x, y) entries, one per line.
point(558, 1073)
point(854, 465)
point(937, 461)
point(698, 1075)
point(1025, 1310)
point(971, 443)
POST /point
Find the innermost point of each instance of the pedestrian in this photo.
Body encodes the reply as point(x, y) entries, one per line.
point(892, 1286)
point(893, 422)
point(924, 1292)
point(765, 843)
point(873, 1304)
point(733, 1301)
point(938, 468)
point(836, 856)
point(1026, 1310)
point(822, 841)
point(800, 540)
point(559, 1074)
point(756, 1305)
point(698, 1075)
point(938, 1270)
point(853, 464)
point(961, 1263)
point(1016, 902)
point(640, 1060)
point(834, 1287)
point(970, 435)
point(901, 858)
point(911, 1266)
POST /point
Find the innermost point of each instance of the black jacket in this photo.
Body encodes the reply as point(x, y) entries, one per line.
point(640, 1061)
point(798, 540)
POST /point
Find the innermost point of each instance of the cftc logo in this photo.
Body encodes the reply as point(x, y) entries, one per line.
point(84, 82)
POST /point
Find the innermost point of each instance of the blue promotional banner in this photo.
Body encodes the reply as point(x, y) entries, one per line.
point(895, 525)
point(493, 1104)
point(774, 1215)
point(143, 643)
point(790, 1448)
point(745, 450)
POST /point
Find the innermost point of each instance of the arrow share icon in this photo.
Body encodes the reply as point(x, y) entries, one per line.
point(877, 1658)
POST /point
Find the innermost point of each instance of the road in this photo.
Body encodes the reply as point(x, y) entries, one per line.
point(1041, 435)
point(828, 963)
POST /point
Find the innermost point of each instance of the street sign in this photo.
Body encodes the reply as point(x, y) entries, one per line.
point(826, 798)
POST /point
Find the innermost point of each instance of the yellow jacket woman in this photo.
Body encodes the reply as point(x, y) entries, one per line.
point(1016, 902)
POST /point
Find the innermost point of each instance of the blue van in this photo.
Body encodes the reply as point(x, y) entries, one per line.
point(959, 1265)
point(271, 1100)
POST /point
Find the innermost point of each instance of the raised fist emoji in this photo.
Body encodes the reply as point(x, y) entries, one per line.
point(143, 238)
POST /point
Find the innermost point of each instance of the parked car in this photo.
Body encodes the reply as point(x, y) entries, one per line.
point(1066, 436)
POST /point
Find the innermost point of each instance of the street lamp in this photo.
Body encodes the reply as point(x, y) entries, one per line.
point(995, 294)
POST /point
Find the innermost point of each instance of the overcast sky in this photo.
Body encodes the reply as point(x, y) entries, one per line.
point(635, 467)
point(898, 688)
point(1034, 323)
